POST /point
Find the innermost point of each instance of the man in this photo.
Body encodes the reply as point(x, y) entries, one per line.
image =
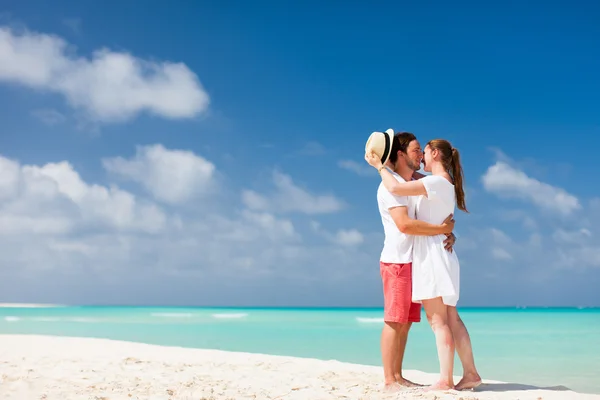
point(397, 216)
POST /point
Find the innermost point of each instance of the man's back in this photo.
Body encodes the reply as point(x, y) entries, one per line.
point(397, 247)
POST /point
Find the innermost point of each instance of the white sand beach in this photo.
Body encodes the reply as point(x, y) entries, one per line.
point(46, 367)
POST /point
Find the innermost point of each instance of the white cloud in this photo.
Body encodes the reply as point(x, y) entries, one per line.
point(350, 237)
point(501, 254)
point(543, 252)
point(343, 237)
point(531, 165)
point(500, 237)
point(508, 182)
point(54, 199)
point(255, 201)
point(577, 236)
point(109, 87)
point(289, 197)
point(578, 257)
point(500, 243)
point(172, 176)
point(272, 226)
point(67, 239)
point(359, 169)
point(81, 240)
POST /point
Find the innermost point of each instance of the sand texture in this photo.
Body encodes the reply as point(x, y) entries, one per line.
point(45, 367)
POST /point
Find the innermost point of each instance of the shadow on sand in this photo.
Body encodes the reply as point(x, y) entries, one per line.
point(509, 387)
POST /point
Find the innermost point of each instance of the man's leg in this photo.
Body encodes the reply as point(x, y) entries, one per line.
point(462, 341)
point(414, 315)
point(401, 346)
point(396, 309)
point(437, 315)
point(389, 351)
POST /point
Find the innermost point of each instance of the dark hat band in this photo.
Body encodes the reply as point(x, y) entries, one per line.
point(386, 149)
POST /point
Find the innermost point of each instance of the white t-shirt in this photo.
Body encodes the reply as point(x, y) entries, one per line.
point(397, 247)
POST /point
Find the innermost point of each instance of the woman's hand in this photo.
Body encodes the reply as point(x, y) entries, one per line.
point(373, 160)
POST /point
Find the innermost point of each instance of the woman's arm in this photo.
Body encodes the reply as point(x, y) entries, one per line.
point(413, 188)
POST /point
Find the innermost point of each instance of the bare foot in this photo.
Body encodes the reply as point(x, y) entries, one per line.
point(440, 385)
point(405, 382)
point(392, 387)
point(469, 382)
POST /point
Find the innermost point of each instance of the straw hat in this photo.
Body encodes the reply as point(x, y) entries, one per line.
point(381, 144)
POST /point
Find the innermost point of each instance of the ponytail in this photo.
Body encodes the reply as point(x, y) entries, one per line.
point(451, 161)
point(457, 176)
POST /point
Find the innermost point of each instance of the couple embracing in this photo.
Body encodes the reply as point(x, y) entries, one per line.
point(418, 265)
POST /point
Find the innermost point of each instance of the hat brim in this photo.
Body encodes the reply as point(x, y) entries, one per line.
point(388, 136)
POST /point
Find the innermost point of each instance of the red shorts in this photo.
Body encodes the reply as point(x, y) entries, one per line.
point(397, 293)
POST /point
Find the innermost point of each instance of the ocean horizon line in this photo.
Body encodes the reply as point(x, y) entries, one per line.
point(299, 308)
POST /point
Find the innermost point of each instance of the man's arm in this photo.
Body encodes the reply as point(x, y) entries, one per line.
point(420, 228)
point(449, 242)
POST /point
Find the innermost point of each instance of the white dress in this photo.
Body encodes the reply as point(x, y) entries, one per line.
point(436, 272)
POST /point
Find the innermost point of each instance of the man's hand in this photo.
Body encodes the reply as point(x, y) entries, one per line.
point(449, 242)
point(448, 224)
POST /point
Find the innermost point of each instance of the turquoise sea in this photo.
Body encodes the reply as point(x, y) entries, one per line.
point(543, 347)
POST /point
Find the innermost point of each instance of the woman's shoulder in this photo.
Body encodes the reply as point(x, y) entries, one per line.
point(437, 186)
point(437, 178)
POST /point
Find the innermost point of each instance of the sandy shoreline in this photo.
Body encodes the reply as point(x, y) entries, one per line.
point(46, 367)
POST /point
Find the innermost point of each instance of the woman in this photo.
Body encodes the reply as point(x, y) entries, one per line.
point(435, 275)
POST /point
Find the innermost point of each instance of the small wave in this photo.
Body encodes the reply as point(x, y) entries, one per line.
point(12, 319)
point(172, 315)
point(364, 320)
point(230, 315)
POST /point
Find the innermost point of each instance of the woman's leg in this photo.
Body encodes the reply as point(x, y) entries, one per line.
point(464, 349)
point(437, 316)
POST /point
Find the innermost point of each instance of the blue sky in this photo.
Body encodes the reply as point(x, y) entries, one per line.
point(211, 153)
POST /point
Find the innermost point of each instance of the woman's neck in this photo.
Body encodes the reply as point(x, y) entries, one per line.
point(438, 169)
